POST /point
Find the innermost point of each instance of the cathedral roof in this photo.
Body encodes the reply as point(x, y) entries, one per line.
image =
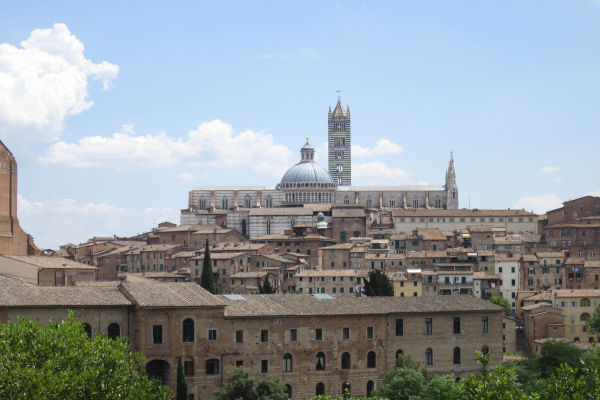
point(306, 172)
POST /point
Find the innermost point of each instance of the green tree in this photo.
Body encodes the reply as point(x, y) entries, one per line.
point(502, 302)
point(564, 384)
point(441, 388)
point(242, 385)
point(594, 321)
point(207, 280)
point(378, 284)
point(182, 389)
point(266, 287)
point(555, 353)
point(59, 362)
point(497, 384)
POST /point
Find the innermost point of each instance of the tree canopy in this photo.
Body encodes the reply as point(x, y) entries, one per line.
point(207, 280)
point(378, 284)
point(266, 287)
point(242, 384)
point(502, 302)
point(59, 362)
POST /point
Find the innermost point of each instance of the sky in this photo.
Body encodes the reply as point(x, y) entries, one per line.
point(115, 110)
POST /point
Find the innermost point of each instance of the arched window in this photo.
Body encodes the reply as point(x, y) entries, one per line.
point(269, 202)
point(288, 390)
point(320, 361)
point(371, 359)
point(202, 204)
point(345, 360)
point(485, 351)
point(428, 357)
point(88, 329)
point(114, 331)
point(212, 367)
point(224, 203)
point(456, 358)
point(268, 227)
point(346, 200)
point(346, 389)
point(399, 353)
point(370, 388)
point(247, 201)
point(320, 389)
point(369, 203)
point(287, 363)
point(584, 317)
point(584, 303)
point(188, 330)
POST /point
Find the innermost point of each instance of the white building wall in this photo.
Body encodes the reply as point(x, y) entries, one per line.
point(509, 272)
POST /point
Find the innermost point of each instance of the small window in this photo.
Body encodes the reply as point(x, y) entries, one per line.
point(212, 334)
point(456, 356)
point(484, 324)
point(320, 389)
point(485, 351)
point(429, 357)
point(346, 333)
point(370, 333)
point(319, 334)
point(264, 366)
point(239, 336)
point(114, 331)
point(264, 336)
point(293, 335)
point(428, 326)
point(345, 360)
point(188, 366)
point(157, 334)
point(287, 363)
point(88, 329)
point(399, 327)
point(188, 330)
point(371, 359)
point(456, 325)
point(320, 361)
point(212, 367)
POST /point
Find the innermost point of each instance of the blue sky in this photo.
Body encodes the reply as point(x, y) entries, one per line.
point(115, 110)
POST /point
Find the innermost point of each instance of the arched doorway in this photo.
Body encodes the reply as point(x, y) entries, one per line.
point(159, 369)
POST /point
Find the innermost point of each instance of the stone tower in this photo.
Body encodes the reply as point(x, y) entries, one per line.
point(340, 161)
point(451, 187)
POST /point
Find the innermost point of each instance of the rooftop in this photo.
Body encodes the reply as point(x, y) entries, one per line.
point(45, 262)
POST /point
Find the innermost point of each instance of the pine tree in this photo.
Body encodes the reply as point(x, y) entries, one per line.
point(207, 280)
point(266, 287)
point(378, 284)
point(182, 390)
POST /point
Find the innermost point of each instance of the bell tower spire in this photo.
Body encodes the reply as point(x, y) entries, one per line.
point(451, 187)
point(339, 143)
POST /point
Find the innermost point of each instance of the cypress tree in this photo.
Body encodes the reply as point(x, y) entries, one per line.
point(207, 280)
point(378, 284)
point(182, 390)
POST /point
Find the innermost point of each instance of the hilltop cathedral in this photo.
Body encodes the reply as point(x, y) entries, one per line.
point(307, 182)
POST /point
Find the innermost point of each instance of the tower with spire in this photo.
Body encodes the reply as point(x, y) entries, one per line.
point(451, 187)
point(339, 144)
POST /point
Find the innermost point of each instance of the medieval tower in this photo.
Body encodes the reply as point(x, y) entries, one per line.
point(340, 162)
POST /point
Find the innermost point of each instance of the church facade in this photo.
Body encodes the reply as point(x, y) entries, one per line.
point(307, 182)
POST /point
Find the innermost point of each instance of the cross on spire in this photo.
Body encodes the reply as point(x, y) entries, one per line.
point(339, 92)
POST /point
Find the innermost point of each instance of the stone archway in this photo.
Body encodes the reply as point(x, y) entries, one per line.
point(159, 369)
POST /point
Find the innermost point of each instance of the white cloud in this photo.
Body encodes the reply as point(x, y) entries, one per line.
point(68, 220)
point(382, 147)
point(558, 179)
point(46, 80)
point(539, 204)
point(212, 144)
point(377, 173)
point(550, 170)
point(186, 177)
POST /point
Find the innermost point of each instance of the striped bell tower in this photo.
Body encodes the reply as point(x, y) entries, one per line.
point(340, 161)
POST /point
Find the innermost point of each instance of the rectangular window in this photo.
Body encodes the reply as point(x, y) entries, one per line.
point(157, 334)
point(264, 366)
point(428, 326)
point(239, 363)
point(484, 324)
point(212, 334)
point(370, 333)
point(264, 336)
point(456, 325)
point(346, 333)
point(239, 336)
point(293, 335)
point(318, 334)
point(188, 367)
point(399, 327)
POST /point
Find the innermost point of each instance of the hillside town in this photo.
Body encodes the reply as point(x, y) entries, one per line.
point(314, 239)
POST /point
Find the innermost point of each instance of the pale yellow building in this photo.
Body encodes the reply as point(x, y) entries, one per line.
point(409, 284)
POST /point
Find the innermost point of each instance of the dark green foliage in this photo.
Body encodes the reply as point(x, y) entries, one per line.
point(207, 280)
point(378, 284)
point(502, 302)
point(182, 390)
point(59, 362)
point(241, 384)
point(594, 322)
point(555, 353)
point(266, 287)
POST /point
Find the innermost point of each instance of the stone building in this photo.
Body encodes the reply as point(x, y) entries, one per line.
point(331, 281)
point(47, 271)
point(13, 240)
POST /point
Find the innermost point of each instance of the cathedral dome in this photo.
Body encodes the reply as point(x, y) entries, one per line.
point(306, 172)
